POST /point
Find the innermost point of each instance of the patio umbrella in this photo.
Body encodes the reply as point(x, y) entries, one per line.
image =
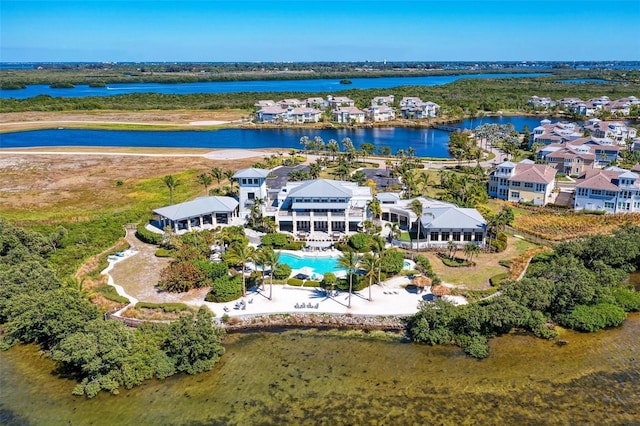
point(440, 290)
point(421, 282)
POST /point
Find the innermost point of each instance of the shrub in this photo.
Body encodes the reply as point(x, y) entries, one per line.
point(497, 279)
point(455, 263)
point(627, 299)
point(163, 252)
point(593, 318)
point(282, 272)
point(109, 292)
point(167, 307)
point(225, 289)
point(312, 283)
point(213, 270)
point(474, 345)
point(276, 240)
point(295, 282)
point(361, 242)
point(358, 283)
point(423, 263)
point(392, 262)
point(295, 245)
point(147, 236)
point(329, 280)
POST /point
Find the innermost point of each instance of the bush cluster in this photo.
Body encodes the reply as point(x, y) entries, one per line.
point(146, 236)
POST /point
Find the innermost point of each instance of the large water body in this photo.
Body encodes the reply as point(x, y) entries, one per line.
point(426, 142)
point(331, 378)
point(315, 85)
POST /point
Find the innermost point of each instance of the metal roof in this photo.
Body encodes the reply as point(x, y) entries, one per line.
point(252, 173)
point(321, 188)
point(198, 207)
point(453, 218)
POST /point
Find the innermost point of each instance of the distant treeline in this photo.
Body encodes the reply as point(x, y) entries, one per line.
point(465, 97)
point(100, 74)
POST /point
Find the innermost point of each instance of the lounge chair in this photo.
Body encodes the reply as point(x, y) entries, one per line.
point(309, 305)
point(244, 307)
point(317, 305)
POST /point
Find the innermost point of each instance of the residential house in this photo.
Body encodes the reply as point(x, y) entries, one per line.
point(291, 103)
point(320, 205)
point(383, 100)
point(340, 101)
point(547, 133)
point(380, 113)
point(576, 156)
point(348, 115)
point(320, 103)
point(440, 222)
point(523, 182)
point(303, 115)
point(271, 114)
point(413, 107)
point(615, 130)
point(613, 190)
point(264, 103)
point(537, 102)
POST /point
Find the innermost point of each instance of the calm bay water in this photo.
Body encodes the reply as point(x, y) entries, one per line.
point(426, 142)
point(316, 85)
point(325, 377)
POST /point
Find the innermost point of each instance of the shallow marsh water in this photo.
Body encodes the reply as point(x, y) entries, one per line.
point(331, 377)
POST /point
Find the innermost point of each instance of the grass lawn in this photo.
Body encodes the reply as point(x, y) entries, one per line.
point(477, 277)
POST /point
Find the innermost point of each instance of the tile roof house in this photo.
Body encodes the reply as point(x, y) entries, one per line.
point(340, 101)
point(348, 115)
point(579, 155)
point(523, 182)
point(383, 100)
point(537, 102)
point(547, 133)
point(616, 130)
point(613, 190)
point(320, 103)
point(413, 107)
point(380, 113)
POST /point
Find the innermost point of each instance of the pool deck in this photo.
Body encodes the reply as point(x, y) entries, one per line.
point(389, 298)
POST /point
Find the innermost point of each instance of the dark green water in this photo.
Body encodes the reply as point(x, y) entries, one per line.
point(331, 378)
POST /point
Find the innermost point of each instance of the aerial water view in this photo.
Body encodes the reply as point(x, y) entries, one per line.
point(319, 212)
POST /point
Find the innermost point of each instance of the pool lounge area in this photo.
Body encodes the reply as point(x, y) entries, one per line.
point(313, 264)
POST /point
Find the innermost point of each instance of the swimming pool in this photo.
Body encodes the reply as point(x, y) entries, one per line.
point(320, 265)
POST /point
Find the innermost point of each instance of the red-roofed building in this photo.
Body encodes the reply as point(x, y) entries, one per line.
point(523, 182)
point(613, 190)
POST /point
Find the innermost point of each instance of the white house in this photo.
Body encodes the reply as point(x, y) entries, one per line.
point(340, 101)
point(615, 130)
point(612, 190)
point(380, 113)
point(348, 115)
point(322, 205)
point(413, 107)
point(383, 100)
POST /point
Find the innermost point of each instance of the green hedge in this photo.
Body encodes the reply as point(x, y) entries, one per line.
point(295, 245)
point(167, 307)
point(225, 289)
point(455, 263)
point(295, 282)
point(163, 252)
point(147, 236)
point(110, 292)
point(276, 240)
point(497, 279)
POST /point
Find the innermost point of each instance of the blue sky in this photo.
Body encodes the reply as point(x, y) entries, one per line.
point(303, 30)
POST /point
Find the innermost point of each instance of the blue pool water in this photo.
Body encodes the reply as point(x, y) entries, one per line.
point(320, 265)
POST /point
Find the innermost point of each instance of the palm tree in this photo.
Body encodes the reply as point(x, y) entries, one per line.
point(416, 207)
point(349, 261)
point(370, 264)
point(394, 230)
point(379, 247)
point(470, 250)
point(171, 183)
point(239, 254)
point(205, 180)
point(375, 209)
point(333, 147)
point(229, 174)
point(217, 174)
point(452, 246)
point(271, 258)
point(314, 170)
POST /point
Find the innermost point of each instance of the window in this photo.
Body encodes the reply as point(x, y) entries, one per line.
point(244, 181)
point(445, 236)
point(251, 195)
point(467, 236)
point(596, 192)
point(515, 194)
point(516, 184)
point(609, 205)
point(434, 236)
point(479, 236)
point(528, 185)
point(456, 236)
point(540, 187)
